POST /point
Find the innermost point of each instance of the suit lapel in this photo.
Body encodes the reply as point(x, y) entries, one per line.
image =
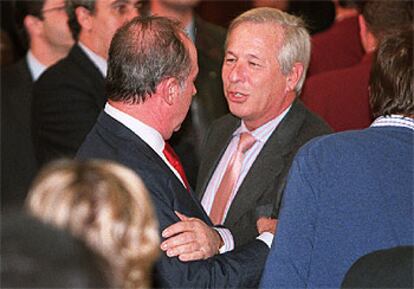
point(264, 175)
point(141, 148)
point(215, 151)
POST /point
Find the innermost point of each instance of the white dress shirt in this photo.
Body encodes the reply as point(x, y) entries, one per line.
point(261, 135)
point(149, 135)
point(35, 67)
point(99, 61)
point(154, 139)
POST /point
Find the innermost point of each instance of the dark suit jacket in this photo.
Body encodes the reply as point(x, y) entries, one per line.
point(18, 162)
point(67, 100)
point(340, 97)
point(336, 48)
point(261, 190)
point(109, 139)
point(209, 102)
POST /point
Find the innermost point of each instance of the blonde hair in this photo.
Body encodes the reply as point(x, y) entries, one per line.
point(107, 206)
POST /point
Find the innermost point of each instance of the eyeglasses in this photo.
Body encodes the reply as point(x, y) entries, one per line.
point(58, 8)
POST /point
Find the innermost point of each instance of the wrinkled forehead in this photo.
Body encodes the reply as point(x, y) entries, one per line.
point(251, 31)
point(48, 4)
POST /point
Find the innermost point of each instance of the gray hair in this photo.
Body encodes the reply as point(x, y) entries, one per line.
point(296, 46)
point(143, 53)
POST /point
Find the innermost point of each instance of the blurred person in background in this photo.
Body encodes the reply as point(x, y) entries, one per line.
point(69, 96)
point(340, 46)
point(44, 30)
point(37, 255)
point(108, 207)
point(341, 97)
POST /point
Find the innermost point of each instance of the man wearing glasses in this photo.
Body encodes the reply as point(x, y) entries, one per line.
point(46, 35)
point(69, 96)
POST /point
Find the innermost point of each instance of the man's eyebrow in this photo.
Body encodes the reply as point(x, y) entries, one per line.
point(118, 2)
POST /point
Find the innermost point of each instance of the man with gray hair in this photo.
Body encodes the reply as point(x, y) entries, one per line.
point(248, 153)
point(151, 72)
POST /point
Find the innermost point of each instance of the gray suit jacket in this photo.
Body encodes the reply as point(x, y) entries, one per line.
point(261, 191)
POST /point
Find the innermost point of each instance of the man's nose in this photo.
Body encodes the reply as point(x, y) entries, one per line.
point(237, 73)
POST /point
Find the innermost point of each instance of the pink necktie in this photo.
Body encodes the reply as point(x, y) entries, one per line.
point(174, 160)
point(230, 177)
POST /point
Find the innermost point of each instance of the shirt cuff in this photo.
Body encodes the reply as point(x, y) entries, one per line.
point(227, 238)
point(267, 238)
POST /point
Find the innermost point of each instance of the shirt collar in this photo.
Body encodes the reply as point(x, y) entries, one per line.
point(263, 132)
point(148, 134)
point(36, 68)
point(99, 61)
point(394, 120)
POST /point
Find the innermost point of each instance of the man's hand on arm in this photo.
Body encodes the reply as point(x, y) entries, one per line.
point(191, 239)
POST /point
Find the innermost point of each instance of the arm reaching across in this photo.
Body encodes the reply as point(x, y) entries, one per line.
point(191, 239)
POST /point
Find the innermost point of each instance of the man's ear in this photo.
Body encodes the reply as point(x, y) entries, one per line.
point(33, 26)
point(170, 90)
point(294, 76)
point(84, 18)
point(368, 40)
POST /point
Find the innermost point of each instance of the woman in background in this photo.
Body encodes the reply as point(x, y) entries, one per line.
point(108, 207)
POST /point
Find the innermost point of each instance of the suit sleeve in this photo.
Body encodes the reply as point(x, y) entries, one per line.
point(289, 259)
point(236, 269)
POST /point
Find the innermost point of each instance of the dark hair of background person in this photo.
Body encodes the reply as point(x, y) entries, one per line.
point(388, 268)
point(391, 79)
point(6, 49)
point(318, 15)
point(142, 54)
point(71, 6)
point(35, 255)
point(380, 16)
point(357, 4)
point(13, 14)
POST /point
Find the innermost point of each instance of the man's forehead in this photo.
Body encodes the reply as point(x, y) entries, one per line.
point(47, 4)
point(255, 33)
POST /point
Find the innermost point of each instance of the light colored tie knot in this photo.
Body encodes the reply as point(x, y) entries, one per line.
point(246, 141)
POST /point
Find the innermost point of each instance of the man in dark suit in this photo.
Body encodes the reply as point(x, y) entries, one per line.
point(209, 102)
point(69, 96)
point(46, 35)
point(260, 89)
point(150, 83)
